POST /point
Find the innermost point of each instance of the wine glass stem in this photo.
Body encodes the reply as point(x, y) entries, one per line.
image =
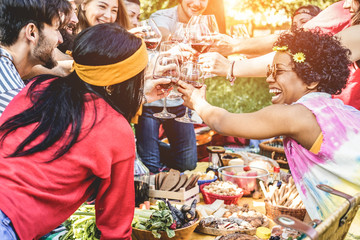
point(187, 112)
point(164, 109)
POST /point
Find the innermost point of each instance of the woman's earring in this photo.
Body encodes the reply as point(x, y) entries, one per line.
point(108, 90)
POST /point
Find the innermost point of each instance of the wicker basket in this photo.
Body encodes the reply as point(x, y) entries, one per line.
point(274, 149)
point(209, 198)
point(336, 226)
point(273, 211)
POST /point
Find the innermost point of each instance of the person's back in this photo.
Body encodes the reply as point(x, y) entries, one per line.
point(53, 190)
point(60, 138)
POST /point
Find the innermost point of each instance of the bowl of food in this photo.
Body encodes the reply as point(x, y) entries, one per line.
point(206, 177)
point(227, 191)
point(244, 177)
point(183, 233)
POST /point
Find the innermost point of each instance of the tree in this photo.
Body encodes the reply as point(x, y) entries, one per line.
point(150, 6)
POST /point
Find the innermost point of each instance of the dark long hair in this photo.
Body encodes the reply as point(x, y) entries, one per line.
point(15, 14)
point(61, 104)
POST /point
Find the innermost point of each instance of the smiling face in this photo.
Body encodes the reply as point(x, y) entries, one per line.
point(352, 6)
point(70, 27)
point(286, 85)
point(49, 39)
point(101, 11)
point(133, 11)
point(193, 7)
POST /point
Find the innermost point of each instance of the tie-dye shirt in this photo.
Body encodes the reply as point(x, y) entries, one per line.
point(337, 164)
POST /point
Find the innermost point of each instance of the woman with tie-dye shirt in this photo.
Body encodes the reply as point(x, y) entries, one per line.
point(321, 134)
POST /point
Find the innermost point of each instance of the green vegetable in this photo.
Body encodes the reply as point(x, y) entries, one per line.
point(155, 220)
point(81, 225)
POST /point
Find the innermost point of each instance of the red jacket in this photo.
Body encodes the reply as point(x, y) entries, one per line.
point(38, 195)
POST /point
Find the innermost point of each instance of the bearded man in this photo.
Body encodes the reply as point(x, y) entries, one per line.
point(29, 33)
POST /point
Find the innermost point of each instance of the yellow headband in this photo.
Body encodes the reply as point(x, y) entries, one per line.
point(111, 74)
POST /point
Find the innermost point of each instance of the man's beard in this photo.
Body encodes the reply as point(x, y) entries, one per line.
point(68, 41)
point(44, 53)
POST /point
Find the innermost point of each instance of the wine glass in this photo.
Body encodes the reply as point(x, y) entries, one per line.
point(179, 33)
point(151, 34)
point(239, 31)
point(173, 48)
point(199, 38)
point(166, 66)
point(191, 74)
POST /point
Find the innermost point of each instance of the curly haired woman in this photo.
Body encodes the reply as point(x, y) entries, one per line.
point(321, 134)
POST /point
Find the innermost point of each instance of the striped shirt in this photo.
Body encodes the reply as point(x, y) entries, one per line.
point(10, 80)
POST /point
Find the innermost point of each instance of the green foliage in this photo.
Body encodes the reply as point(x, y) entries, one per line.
point(150, 6)
point(246, 95)
point(288, 6)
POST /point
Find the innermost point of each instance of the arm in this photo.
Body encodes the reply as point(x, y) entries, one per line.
point(217, 64)
point(350, 39)
point(62, 69)
point(295, 121)
point(248, 46)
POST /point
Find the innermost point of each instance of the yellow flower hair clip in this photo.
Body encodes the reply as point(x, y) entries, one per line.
point(299, 57)
point(280, 49)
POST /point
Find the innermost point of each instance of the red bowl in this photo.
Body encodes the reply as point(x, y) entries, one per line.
point(211, 197)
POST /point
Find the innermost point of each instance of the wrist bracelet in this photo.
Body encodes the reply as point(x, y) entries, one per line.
point(230, 76)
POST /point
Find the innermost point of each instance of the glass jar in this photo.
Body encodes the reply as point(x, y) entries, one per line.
point(215, 161)
point(141, 181)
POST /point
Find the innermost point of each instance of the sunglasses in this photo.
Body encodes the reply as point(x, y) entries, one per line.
point(272, 70)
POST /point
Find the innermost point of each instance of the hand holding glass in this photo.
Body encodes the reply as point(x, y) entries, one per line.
point(166, 66)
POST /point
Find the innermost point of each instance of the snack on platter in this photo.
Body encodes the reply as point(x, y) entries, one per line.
point(206, 176)
point(252, 159)
point(223, 188)
point(230, 219)
point(236, 236)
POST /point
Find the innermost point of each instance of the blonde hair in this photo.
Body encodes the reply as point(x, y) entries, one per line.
point(121, 18)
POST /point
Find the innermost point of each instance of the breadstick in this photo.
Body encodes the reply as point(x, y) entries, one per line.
point(266, 195)
point(291, 181)
point(287, 195)
point(282, 190)
point(276, 198)
point(295, 202)
point(298, 205)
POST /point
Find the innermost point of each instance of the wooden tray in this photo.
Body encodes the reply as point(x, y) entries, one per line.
point(180, 197)
point(218, 232)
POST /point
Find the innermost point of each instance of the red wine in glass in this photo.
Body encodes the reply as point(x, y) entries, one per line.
point(168, 85)
point(152, 44)
point(196, 84)
point(202, 47)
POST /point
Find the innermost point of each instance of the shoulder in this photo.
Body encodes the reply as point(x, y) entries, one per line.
point(166, 17)
point(169, 12)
